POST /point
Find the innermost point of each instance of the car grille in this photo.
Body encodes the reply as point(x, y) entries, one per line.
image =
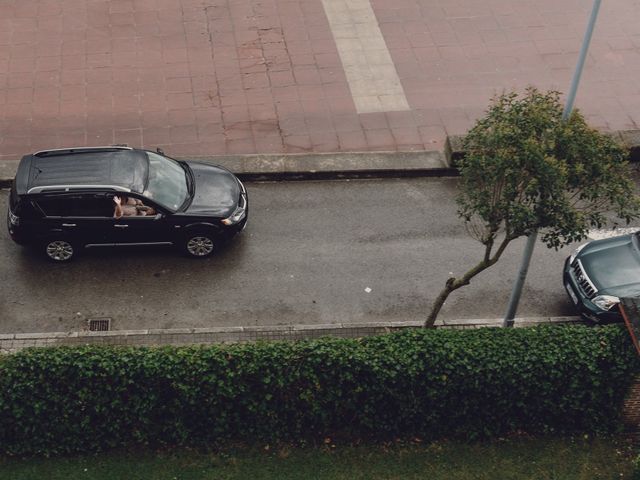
point(583, 280)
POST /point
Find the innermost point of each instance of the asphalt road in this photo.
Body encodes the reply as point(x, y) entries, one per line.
point(313, 252)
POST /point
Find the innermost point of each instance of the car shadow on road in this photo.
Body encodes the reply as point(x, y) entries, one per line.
point(143, 257)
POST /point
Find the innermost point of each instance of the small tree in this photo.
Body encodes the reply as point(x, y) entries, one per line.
point(526, 169)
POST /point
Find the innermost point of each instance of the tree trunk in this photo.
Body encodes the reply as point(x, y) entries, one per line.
point(451, 285)
point(455, 283)
point(437, 305)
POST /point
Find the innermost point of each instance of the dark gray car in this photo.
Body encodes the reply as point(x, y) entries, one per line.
point(599, 273)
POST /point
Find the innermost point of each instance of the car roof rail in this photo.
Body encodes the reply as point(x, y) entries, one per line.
point(65, 151)
point(71, 188)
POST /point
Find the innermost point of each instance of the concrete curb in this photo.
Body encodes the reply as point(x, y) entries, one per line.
point(13, 342)
point(330, 166)
point(334, 165)
point(316, 166)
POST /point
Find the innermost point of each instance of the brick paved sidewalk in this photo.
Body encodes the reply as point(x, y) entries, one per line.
point(208, 77)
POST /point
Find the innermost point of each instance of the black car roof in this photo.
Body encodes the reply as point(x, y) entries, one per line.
point(110, 166)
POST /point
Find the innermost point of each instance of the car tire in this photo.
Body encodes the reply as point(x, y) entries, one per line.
point(59, 249)
point(199, 244)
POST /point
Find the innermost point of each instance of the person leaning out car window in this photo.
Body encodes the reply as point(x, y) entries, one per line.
point(130, 207)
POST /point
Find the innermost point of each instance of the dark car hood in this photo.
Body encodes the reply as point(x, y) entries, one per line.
point(216, 191)
point(613, 265)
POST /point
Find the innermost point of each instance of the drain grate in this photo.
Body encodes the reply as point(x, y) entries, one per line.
point(99, 324)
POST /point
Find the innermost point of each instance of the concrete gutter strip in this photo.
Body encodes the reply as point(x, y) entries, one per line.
point(13, 342)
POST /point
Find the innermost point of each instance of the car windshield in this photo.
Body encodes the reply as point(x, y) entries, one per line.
point(167, 183)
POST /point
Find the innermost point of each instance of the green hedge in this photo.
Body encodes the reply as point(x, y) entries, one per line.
point(426, 383)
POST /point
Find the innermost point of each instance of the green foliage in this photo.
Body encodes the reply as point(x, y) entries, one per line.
point(636, 468)
point(526, 169)
point(426, 383)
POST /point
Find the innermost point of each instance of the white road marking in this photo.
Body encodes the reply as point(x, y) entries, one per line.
point(371, 74)
point(599, 234)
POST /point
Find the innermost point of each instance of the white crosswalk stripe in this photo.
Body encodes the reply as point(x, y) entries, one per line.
point(371, 74)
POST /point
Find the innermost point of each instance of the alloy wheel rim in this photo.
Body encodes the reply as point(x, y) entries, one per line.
point(59, 250)
point(199, 246)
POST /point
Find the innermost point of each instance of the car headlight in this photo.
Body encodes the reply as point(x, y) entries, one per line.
point(577, 251)
point(605, 302)
point(13, 219)
point(238, 214)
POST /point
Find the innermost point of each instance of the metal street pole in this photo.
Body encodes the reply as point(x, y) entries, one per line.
point(531, 239)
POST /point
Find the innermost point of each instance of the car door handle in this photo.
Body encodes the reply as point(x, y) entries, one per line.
point(68, 224)
point(121, 226)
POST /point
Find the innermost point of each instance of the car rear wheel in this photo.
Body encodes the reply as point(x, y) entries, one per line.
point(199, 244)
point(59, 250)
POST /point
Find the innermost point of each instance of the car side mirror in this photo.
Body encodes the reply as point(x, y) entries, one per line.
point(158, 216)
point(160, 151)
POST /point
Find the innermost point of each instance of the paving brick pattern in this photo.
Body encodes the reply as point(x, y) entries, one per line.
point(207, 77)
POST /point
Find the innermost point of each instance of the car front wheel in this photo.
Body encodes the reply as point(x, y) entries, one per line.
point(59, 250)
point(199, 244)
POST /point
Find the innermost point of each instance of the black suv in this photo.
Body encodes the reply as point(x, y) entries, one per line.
point(63, 200)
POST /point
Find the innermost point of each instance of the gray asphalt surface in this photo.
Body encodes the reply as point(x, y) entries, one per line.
point(313, 252)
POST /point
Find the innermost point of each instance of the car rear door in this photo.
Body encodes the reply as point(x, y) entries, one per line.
point(85, 218)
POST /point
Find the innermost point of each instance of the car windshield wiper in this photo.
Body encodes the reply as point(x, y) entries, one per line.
point(189, 176)
point(190, 184)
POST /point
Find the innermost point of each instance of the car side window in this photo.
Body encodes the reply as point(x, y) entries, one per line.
point(76, 206)
point(55, 206)
point(93, 206)
point(137, 207)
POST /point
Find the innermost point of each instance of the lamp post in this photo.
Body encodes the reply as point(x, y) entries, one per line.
point(531, 239)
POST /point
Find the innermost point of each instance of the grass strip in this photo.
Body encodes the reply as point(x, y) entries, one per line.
point(517, 459)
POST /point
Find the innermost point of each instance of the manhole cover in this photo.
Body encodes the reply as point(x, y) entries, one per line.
point(99, 324)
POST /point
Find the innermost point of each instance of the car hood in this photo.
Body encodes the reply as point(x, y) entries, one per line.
point(216, 191)
point(613, 265)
